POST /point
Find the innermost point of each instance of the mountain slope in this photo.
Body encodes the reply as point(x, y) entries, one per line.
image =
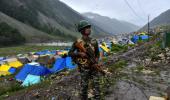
point(50, 16)
point(162, 19)
point(31, 34)
point(109, 25)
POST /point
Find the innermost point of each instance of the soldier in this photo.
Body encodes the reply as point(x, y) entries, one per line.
point(82, 60)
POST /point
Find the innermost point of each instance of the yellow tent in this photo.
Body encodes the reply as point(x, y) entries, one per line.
point(65, 52)
point(104, 44)
point(143, 33)
point(15, 64)
point(105, 48)
point(4, 68)
point(62, 52)
point(4, 73)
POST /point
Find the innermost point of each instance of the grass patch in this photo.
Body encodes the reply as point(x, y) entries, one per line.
point(118, 66)
point(117, 48)
point(12, 88)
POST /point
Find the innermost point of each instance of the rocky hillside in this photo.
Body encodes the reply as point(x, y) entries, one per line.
point(31, 34)
point(111, 25)
point(162, 19)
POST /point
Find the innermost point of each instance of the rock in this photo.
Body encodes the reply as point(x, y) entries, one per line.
point(90, 93)
point(147, 61)
point(168, 54)
point(167, 49)
point(47, 90)
point(147, 71)
point(168, 58)
point(155, 63)
point(127, 91)
point(37, 95)
point(162, 56)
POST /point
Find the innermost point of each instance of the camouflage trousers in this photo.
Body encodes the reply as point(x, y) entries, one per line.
point(86, 76)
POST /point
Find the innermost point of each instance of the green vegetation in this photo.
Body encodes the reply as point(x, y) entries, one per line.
point(8, 89)
point(117, 48)
point(118, 66)
point(10, 36)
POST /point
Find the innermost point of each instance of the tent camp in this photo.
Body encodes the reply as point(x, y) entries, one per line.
point(46, 52)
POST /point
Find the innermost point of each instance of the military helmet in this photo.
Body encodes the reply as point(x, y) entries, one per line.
point(83, 24)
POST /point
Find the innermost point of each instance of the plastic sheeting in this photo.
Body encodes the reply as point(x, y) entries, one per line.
point(31, 79)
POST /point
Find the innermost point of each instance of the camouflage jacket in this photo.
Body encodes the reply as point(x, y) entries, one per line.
point(89, 44)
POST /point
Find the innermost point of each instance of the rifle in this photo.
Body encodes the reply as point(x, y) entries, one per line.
point(91, 57)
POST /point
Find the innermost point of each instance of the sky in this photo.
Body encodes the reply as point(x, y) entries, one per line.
point(134, 11)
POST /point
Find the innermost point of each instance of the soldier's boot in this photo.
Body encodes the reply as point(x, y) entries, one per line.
point(84, 92)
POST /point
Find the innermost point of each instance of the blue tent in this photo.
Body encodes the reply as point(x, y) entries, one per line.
point(69, 63)
point(31, 79)
point(12, 70)
point(135, 38)
point(59, 65)
point(31, 69)
point(144, 37)
point(100, 49)
point(40, 71)
point(24, 72)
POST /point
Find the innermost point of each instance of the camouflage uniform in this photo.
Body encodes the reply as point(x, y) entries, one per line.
point(85, 71)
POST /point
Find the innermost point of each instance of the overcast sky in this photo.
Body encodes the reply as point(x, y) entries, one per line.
point(119, 9)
